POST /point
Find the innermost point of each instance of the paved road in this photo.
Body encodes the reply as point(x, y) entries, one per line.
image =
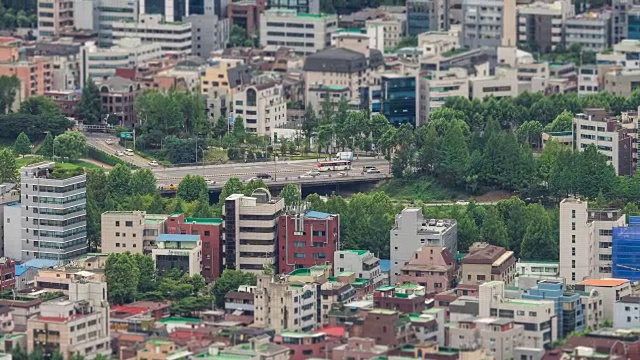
point(98, 140)
point(279, 170)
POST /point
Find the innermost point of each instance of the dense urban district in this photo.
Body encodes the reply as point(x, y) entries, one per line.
point(319, 179)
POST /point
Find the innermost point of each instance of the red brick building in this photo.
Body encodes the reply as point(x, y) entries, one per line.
point(7, 274)
point(303, 345)
point(67, 100)
point(210, 231)
point(406, 298)
point(307, 239)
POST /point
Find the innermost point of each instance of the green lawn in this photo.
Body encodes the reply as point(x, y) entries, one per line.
point(424, 189)
point(87, 165)
point(24, 161)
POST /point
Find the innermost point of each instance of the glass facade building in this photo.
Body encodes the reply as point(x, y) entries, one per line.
point(398, 99)
point(626, 250)
point(633, 24)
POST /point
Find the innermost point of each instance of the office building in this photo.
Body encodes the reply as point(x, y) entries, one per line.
point(412, 230)
point(53, 215)
point(427, 15)
point(498, 336)
point(111, 12)
point(626, 312)
point(611, 290)
point(263, 107)
point(210, 232)
point(173, 38)
point(363, 263)
point(537, 316)
point(250, 226)
point(633, 23)
point(399, 99)
point(435, 87)
point(393, 28)
point(541, 24)
point(178, 251)
point(209, 33)
point(585, 240)
point(118, 96)
point(304, 33)
point(432, 267)
point(611, 137)
point(486, 262)
point(130, 231)
point(283, 305)
point(54, 16)
point(102, 63)
point(307, 239)
point(570, 313)
point(79, 325)
point(483, 23)
point(592, 30)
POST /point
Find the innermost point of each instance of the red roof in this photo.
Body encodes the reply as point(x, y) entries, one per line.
point(335, 331)
point(129, 309)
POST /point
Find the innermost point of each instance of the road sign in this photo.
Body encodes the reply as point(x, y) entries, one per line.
point(126, 135)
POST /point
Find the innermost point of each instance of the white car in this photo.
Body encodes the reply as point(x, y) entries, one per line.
point(462, 202)
point(109, 141)
point(310, 175)
point(153, 163)
point(373, 171)
point(119, 153)
point(211, 182)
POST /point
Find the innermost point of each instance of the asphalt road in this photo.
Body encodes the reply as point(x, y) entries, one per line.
point(98, 140)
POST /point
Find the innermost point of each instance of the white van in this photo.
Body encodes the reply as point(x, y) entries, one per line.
point(129, 152)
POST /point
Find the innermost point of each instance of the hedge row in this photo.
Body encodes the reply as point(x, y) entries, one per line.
point(108, 159)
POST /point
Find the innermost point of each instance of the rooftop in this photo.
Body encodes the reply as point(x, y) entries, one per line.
point(359, 252)
point(172, 320)
point(318, 215)
point(211, 221)
point(610, 282)
point(178, 237)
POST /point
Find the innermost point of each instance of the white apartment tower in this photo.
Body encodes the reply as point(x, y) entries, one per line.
point(174, 38)
point(585, 240)
point(53, 215)
point(263, 107)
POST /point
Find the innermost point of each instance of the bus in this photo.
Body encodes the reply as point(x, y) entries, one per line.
point(336, 165)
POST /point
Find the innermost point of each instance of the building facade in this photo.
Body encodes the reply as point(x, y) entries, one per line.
point(54, 16)
point(101, 63)
point(592, 30)
point(173, 38)
point(486, 262)
point(130, 231)
point(626, 312)
point(306, 34)
point(111, 12)
point(427, 15)
point(432, 267)
point(363, 263)
point(209, 33)
point(263, 108)
point(118, 96)
point(412, 230)
point(399, 99)
point(541, 24)
point(54, 224)
point(482, 23)
point(178, 251)
point(498, 336)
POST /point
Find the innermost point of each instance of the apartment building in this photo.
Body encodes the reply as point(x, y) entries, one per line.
point(486, 262)
point(306, 34)
point(178, 251)
point(585, 240)
point(250, 226)
point(437, 86)
point(283, 305)
point(263, 107)
point(482, 23)
point(130, 231)
point(611, 138)
point(174, 38)
point(537, 316)
point(427, 15)
point(307, 239)
point(240, 302)
point(432, 267)
point(7, 274)
point(363, 263)
point(78, 325)
point(338, 291)
point(34, 73)
point(118, 96)
point(209, 33)
point(352, 68)
point(394, 30)
point(626, 312)
point(611, 290)
point(224, 75)
point(633, 23)
point(589, 82)
point(406, 298)
point(498, 336)
point(53, 215)
point(101, 63)
point(592, 30)
point(65, 63)
point(412, 230)
point(111, 12)
point(54, 16)
point(303, 345)
point(541, 23)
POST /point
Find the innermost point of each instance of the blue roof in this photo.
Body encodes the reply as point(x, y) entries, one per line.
point(21, 269)
point(385, 265)
point(41, 263)
point(318, 215)
point(178, 237)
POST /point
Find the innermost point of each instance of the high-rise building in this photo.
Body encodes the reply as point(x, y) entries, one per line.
point(54, 16)
point(482, 23)
point(304, 33)
point(541, 24)
point(54, 224)
point(591, 30)
point(173, 37)
point(586, 239)
point(427, 15)
point(250, 228)
point(111, 12)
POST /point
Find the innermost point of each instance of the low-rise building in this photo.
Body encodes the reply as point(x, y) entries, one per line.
point(437, 86)
point(539, 269)
point(569, 310)
point(240, 302)
point(339, 291)
point(498, 336)
point(307, 239)
point(303, 345)
point(363, 263)
point(406, 298)
point(612, 290)
point(118, 95)
point(101, 63)
point(262, 106)
point(259, 347)
point(592, 30)
point(626, 312)
point(130, 231)
point(178, 251)
point(358, 349)
point(7, 274)
point(67, 100)
point(158, 349)
point(59, 279)
point(394, 30)
point(174, 38)
point(432, 267)
point(306, 34)
point(488, 263)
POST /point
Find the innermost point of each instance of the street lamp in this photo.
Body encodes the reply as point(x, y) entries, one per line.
point(197, 136)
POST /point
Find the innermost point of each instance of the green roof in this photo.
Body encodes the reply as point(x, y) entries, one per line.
point(454, 52)
point(224, 356)
point(160, 342)
point(346, 273)
point(385, 288)
point(300, 272)
point(407, 286)
point(350, 30)
point(300, 334)
point(213, 221)
point(359, 252)
point(179, 320)
point(317, 16)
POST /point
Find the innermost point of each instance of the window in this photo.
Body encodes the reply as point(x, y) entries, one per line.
point(520, 313)
point(128, 223)
point(573, 276)
point(480, 277)
point(117, 223)
point(573, 226)
point(573, 239)
point(207, 233)
point(573, 251)
point(573, 214)
point(299, 244)
point(573, 264)
point(298, 255)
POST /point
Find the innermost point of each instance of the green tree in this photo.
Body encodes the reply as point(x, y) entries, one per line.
point(237, 36)
point(122, 277)
point(94, 224)
point(119, 181)
point(455, 156)
point(221, 128)
point(90, 106)
point(71, 145)
point(230, 280)
point(232, 186)
point(192, 187)
point(562, 122)
point(291, 195)
point(40, 106)
point(9, 86)
point(22, 146)
point(8, 166)
point(310, 121)
point(143, 182)
point(148, 274)
point(203, 210)
point(157, 205)
point(407, 41)
point(46, 149)
point(538, 242)
point(253, 185)
point(493, 229)
point(239, 132)
point(530, 132)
